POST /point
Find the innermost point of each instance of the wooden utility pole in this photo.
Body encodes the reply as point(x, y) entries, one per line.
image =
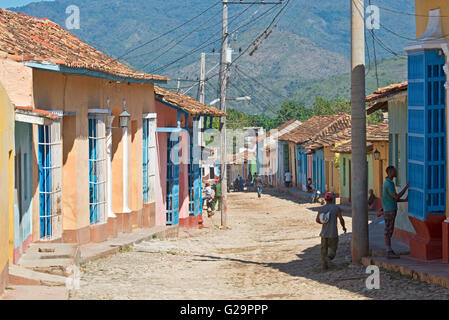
point(223, 84)
point(225, 61)
point(359, 194)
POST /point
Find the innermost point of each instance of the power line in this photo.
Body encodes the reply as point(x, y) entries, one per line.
point(205, 44)
point(407, 13)
point(238, 69)
point(198, 29)
point(171, 30)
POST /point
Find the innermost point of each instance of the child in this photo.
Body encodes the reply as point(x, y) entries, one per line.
point(327, 216)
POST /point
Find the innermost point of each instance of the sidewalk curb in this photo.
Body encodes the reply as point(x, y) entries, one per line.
point(407, 271)
point(168, 232)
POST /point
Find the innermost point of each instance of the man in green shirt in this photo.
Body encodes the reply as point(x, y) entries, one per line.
point(390, 201)
point(218, 194)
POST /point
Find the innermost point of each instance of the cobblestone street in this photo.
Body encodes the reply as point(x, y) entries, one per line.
point(271, 251)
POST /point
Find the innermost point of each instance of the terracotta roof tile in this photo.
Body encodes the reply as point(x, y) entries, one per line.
point(36, 112)
point(187, 103)
point(317, 127)
point(387, 91)
point(26, 38)
point(377, 132)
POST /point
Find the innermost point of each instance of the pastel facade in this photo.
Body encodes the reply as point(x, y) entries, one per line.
point(6, 186)
point(427, 132)
point(87, 151)
point(393, 100)
point(308, 157)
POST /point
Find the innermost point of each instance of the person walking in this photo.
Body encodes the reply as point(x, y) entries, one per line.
point(390, 201)
point(327, 217)
point(258, 182)
point(288, 179)
point(218, 194)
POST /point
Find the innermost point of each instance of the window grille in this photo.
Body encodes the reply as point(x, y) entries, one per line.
point(97, 168)
point(149, 159)
point(50, 181)
point(195, 190)
point(172, 182)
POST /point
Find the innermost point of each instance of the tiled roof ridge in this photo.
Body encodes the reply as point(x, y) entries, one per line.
point(383, 92)
point(27, 38)
point(187, 103)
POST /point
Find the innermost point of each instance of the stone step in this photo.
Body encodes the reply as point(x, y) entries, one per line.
point(23, 276)
point(51, 258)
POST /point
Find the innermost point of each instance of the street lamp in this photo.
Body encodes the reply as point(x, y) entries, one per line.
point(376, 155)
point(124, 122)
point(239, 99)
point(124, 116)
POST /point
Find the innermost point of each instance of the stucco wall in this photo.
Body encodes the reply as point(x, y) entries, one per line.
point(6, 185)
point(422, 8)
point(397, 112)
point(23, 190)
point(17, 79)
point(75, 93)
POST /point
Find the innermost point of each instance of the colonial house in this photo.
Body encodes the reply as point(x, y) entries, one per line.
point(427, 131)
point(377, 159)
point(393, 101)
point(310, 164)
point(91, 154)
point(276, 157)
point(177, 173)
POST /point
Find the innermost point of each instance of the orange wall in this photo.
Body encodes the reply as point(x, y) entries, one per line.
point(73, 93)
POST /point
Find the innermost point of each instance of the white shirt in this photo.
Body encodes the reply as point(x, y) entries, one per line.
point(208, 192)
point(288, 176)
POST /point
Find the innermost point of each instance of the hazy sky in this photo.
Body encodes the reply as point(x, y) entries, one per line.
point(15, 3)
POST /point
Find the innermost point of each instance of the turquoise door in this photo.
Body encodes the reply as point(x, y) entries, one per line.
point(195, 192)
point(172, 183)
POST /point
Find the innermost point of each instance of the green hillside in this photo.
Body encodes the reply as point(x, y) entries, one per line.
point(307, 54)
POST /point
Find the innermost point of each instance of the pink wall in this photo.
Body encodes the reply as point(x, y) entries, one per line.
point(167, 117)
point(310, 166)
point(161, 179)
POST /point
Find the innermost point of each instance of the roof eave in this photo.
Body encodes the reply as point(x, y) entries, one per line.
point(88, 73)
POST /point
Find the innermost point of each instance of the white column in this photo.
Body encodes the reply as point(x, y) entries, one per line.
point(109, 164)
point(125, 170)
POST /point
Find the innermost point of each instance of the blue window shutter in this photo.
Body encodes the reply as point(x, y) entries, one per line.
point(426, 134)
point(172, 204)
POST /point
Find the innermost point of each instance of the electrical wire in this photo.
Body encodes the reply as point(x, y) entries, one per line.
point(205, 44)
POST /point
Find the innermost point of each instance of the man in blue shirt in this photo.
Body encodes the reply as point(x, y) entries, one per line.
point(390, 201)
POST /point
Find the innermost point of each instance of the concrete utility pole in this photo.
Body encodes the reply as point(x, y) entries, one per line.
point(359, 185)
point(223, 84)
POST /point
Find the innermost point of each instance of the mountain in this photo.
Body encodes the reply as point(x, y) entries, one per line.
point(307, 51)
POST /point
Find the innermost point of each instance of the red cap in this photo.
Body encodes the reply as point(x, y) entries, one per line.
point(329, 196)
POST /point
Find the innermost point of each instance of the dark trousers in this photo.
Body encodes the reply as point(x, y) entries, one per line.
point(328, 249)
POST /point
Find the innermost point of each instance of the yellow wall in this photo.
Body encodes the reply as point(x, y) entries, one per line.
point(422, 8)
point(379, 166)
point(6, 181)
point(332, 174)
